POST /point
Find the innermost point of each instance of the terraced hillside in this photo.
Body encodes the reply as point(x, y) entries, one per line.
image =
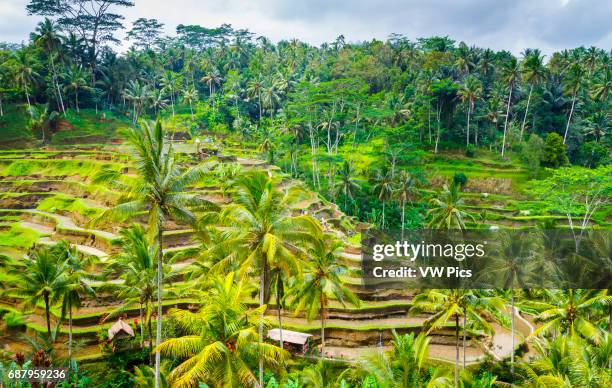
point(48, 195)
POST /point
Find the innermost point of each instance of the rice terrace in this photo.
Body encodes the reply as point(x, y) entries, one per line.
point(189, 211)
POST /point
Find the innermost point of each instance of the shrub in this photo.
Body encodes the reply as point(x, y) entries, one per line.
point(470, 151)
point(555, 152)
point(460, 179)
point(14, 319)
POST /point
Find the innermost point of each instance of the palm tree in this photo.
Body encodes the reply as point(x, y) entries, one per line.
point(347, 184)
point(383, 188)
point(406, 365)
point(511, 73)
point(41, 119)
point(445, 211)
point(76, 286)
point(212, 79)
point(137, 269)
point(25, 71)
point(573, 82)
point(260, 230)
point(76, 79)
point(44, 277)
point(190, 95)
point(406, 191)
point(158, 190)
point(270, 98)
point(138, 94)
point(454, 304)
point(602, 86)
point(322, 282)
point(221, 339)
point(170, 82)
point(533, 72)
point(570, 311)
point(469, 91)
point(254, 89)
point(47, 36)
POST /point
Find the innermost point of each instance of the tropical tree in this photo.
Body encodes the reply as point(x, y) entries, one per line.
point(158, 190)
point(138, 94)
point(25, 71)
point(511, 73)
point(221, 341)
point(190, 95)
point(41, 119)
point(445, 211)
point(75, 78)
point(573, 83)
point(44, 277)
point(470, 91)
point(533, 72)
point(383, 188)
point(570, 311)
point(454, 304)
point(212, 79)
point(261, 231)
point(47, 36)
point(322, 282)
point(255, 89)
point(406, 191)
point(347, 185)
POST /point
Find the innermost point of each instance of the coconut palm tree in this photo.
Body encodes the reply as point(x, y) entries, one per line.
point(47, 36)
point(136, 266)
point(383, 188)
point(347, 185)
point(170, 82)
point(76, 284)
point(570, 311)
point(159, 190)
point(25, 71)
point(470, 91)
point(406, 191)
point(138, 94)
point(270, 99)
point(533, 72)
point(261, 231)
point(76, 79)
point(406, 365)
point(322, 282)
point(573, 82)
point(41, 119)
point(511, 72)
point(190, 95)
point(445, 211)
point(221, 340)
point(212, 79)
point(45, 278)
point(454, 304)
point(255, 89)
point(602, 86)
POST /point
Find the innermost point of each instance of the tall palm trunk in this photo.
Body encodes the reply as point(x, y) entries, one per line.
point(526, 111)
point(323, 314)
point(469, 114)
point(160, 274)
point(150, 327)
point(59, 92)
point(69, 332)
point(403, 216)
point(260, 112)
point(456, 350)
point(279, 311)
point(25, 89)
point(47, 314)
point(506, 122)
point(512, 330)
point(464, 337)
point(383, 215)
point(76, 99)
point(262, 300)
point(569, 119)
point(141, 326)
point(1, 111)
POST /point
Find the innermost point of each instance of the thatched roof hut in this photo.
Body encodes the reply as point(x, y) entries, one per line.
point(119, 330)
point(297, 342)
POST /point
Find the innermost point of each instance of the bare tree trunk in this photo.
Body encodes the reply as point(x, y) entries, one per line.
point(160, 275)
point(59, 92)
point(464, 337)
point(1, 111)
point(141, 326)
point(513, 328)
point(322, 325)
point(403, 216)
point(506, 122)
point(76, 99)
point(569, 119)
point(456, 351)
point(262, 301)
point(25, 88)
point(526, 111)
point(46, 298)
point(467, 137)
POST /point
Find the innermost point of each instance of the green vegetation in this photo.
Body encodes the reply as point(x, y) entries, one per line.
point(242, 206)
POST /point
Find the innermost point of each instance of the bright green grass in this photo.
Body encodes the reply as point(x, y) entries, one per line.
point(17, 236)
point(69, 204)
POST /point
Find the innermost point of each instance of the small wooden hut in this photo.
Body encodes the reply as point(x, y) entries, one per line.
point(293, 341)
point(120, 330)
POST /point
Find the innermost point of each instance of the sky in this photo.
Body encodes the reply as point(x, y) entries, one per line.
point(513, 25)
